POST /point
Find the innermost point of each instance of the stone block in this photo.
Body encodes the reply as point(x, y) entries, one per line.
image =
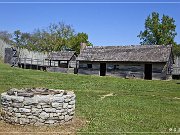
point(61, 117)
point(67, 117)
point(36, 110)
point(51, 115)
point(18, 115)
point(27, 107)
point(32, 121)
point(41, 120)
point(56, 114)
point(17, 105)
point(10, 109)
point(15, 110)
point(39, 106)
point(5, 97)
point(60, 110)
point(48, 110)
point(23, 121)
point(67, 100)
point(73, 98)
point(65, 105)
point(44, 98)
point(72, 102)
point(27, 114)
point(56, 105)
point(24, 110)
point(69, 106)
point(58, 99)
point(44, 115)
point(30, 101)
point(17, 99)
point(49, 122)
point(16, 120)
point(58, 95)
point(38, 124)
point(32, 117)
point(64, 113)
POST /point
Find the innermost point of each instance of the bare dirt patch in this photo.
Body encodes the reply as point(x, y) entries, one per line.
point(107, 95)
point(69, 128)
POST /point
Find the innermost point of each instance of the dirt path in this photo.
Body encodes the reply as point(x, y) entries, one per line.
point(67, 129)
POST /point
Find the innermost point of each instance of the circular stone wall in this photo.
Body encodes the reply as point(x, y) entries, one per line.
point(37, 106)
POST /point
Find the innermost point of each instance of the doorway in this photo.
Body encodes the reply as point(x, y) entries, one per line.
point(148, 71)
point(102, 69)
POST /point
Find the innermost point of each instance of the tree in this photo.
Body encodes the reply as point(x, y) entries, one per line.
point(176, 50)
point(76, 40)
point(158, 32)
point(54, 38)
point(17, 38)
point(6, 36)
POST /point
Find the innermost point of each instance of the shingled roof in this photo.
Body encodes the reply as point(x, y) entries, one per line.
point(62, 55)
point(139, 53)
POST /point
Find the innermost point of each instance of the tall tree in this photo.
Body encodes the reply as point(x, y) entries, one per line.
point(158, 31)
point(17, 38)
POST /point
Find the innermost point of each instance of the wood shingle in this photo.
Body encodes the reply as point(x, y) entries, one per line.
point(139, 53)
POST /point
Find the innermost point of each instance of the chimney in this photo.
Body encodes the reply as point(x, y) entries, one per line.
point(83, 45)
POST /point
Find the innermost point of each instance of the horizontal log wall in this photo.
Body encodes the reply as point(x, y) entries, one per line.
point(124, 69)
point(83, 69)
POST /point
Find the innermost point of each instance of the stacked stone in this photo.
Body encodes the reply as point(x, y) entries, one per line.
point(52, 109)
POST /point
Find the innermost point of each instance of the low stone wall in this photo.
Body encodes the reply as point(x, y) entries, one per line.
point(37, 106)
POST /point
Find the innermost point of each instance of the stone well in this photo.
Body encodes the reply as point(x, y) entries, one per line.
point(37, 106)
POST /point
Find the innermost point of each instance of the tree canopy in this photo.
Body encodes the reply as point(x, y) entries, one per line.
point(158, 31)
point(53, 38)
point(5, 36)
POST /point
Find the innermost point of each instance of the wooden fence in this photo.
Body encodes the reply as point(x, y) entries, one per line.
point(36, 62)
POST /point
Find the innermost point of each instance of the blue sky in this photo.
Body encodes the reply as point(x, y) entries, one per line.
point(106, 24)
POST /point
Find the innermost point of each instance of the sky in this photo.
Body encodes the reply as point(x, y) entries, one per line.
point(106, 23)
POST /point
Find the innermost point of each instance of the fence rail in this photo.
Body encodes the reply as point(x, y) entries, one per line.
point(38, 62)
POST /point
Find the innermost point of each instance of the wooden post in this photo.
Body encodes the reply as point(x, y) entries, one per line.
point(25, 63)
point(37, 64)
point(43, 65)
point(50, 63)
point(20, 62)
point(31, 63)
point(68, 66)
point(54, 66)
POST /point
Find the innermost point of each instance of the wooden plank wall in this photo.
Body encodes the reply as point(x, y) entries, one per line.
point(176, 66)
point(125, 70)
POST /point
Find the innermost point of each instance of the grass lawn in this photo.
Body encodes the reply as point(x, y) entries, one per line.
point(108, 104)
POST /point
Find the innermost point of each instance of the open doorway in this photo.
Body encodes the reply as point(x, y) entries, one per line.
point(102, 69)
point(148, 71)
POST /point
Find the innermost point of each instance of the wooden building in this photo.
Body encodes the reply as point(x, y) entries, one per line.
point(66, 61)
point(176, 68)
point(143, 61)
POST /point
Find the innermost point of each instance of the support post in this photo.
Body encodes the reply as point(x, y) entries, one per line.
point(31, 63)
point(25, 63)
point(68, 66)
point(37, 64)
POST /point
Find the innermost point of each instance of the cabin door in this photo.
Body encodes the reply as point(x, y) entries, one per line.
point(102, 69)
point(148, 71)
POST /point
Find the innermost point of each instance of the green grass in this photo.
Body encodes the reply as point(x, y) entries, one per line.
point(137, 105)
